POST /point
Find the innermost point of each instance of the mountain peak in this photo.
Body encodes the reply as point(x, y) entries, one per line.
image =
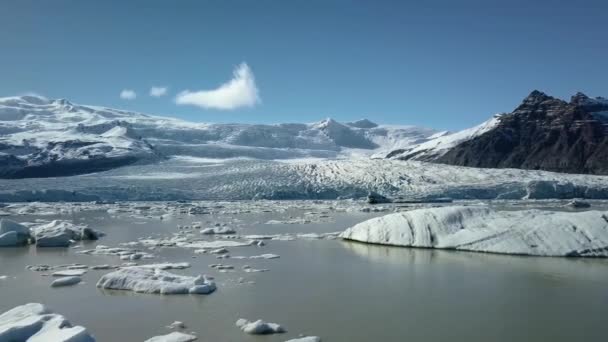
point(537, 96)
point(362, 123)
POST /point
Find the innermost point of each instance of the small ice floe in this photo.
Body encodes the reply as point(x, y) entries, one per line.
point(3, 277)
point(168, 266)
point(213, 244)
point(66, 281)
point(259, 327)
point(221, 267)
point(175, 336)
point(77, 267)
point(13, 234)
point(69, 273)
point(62, 233)
point(265, 256)
point(156, 281)
point(177, 325)
point(122, 253)
point(298, 220)
point(102, 267)
point(306, 339)
point(39, 268)
point(578, 204)
point(219, 251)
point(218, 231)
point(35, 322)
point(249, 269)
point(320, 236)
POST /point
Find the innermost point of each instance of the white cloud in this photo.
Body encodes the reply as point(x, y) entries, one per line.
point(240, 91)
point(128, 94)
point(158, 91)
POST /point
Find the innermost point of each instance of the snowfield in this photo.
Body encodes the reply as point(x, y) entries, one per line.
point(40, 137)
point(325, 179)
point(481, 229)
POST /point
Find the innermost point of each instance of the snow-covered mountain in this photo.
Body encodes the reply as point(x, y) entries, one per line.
point(542, 133)
point(40, 137)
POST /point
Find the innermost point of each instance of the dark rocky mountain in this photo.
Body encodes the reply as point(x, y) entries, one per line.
point(542, 133)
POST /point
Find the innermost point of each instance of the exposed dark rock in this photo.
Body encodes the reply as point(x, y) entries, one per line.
point(543, 133)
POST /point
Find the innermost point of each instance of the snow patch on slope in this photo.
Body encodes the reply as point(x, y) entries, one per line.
point(441, 143)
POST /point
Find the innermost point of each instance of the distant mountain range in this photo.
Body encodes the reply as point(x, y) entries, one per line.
point(40, 137)
point(542, 133)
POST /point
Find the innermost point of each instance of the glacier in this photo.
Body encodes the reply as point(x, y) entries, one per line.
point(319, 179)
point(482, 229)
point(41, 137)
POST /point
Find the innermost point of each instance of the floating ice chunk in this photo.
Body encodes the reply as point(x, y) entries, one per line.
point(177, 325)
point(122, 253)
point(306, 339)
point(213, 244)
point(259, 327)
point(218, 231)
point(175, 336)
point(249, 269)
point(219, 251)
point(102, 267)
point(168, 266)
point(39, 268)
point(578, 204)
point(222, 267)
point(481, 229)
point(265, 256)
point(35, 323)
point(66, 281)
point(61, 234)
point(13, 234)
point(69, 273)
point(151, 280)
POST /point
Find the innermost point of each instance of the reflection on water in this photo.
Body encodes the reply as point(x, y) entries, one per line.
point(339, 290)
point(559, 271)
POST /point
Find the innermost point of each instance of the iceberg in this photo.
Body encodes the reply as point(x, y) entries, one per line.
point(61, 234)
point(156, 281)
point(259, 327)
point(481, 229)
point(34, 322)
point(13, 234)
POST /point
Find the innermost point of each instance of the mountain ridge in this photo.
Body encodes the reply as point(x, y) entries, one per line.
point(42, 137)
point(542, 133)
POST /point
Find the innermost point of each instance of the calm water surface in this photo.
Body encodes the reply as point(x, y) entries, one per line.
point(338, 290)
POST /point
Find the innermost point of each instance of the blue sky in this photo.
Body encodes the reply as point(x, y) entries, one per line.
point(442, 64)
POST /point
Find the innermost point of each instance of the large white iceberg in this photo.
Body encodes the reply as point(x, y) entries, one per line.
point(13, 233)
point(481, 229)
point(154, 280)
point(35, 323)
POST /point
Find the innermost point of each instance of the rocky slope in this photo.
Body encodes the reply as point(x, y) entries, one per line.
point(543, 133)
